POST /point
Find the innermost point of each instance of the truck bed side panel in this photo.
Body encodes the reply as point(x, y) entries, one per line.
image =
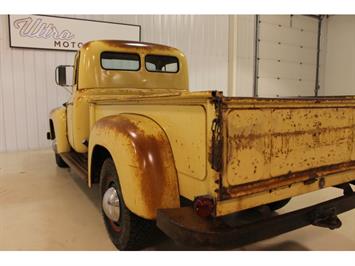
point(185, 126)
point(270, 142)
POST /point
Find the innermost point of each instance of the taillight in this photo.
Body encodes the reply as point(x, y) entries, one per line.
point(203, 206)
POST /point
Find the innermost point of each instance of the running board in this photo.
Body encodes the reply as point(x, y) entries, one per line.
point(77, 163)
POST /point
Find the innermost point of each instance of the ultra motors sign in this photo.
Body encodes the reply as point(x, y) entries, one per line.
point(58, 33)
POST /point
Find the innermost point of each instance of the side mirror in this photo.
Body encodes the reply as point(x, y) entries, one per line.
point(64, 75)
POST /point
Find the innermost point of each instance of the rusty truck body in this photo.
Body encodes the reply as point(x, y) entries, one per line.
point(186, 160)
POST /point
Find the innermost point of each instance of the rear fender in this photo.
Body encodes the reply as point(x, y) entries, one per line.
point(144, 161)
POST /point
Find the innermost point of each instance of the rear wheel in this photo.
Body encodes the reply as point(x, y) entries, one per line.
point(278, 204)
point(126, 230)
point(60, 162)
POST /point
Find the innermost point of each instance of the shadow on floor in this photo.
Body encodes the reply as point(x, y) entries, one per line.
point(169, 245)
point(92, 193)
point(282, 246)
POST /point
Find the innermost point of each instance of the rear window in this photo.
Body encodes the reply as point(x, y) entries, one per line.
point(120, 61)
point(161, 63)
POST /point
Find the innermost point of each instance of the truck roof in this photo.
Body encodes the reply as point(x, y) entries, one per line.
point(93, 75)
point(123, 44)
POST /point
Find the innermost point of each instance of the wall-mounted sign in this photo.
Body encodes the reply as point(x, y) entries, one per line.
point(59, 33)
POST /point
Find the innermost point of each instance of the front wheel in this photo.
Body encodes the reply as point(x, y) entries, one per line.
point(126, 230)
point(59, 161)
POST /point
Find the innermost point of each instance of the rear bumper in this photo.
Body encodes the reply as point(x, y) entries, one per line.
point(183, 225)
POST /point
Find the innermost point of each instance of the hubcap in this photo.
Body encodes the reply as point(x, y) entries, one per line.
point(111, 204)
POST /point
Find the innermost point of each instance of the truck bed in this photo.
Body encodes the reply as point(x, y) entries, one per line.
point(270, 149)
point(279, 148)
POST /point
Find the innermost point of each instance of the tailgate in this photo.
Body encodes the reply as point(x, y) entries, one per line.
point(271, 143)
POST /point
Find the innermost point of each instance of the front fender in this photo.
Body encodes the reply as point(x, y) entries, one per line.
point(58, 117)
point(144, 161)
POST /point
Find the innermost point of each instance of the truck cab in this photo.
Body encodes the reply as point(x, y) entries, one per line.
point(109, 68)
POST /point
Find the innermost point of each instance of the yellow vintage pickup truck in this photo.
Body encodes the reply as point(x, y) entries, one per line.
point(186, 162)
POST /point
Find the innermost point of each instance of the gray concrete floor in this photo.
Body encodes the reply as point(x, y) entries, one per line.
point(43, 207)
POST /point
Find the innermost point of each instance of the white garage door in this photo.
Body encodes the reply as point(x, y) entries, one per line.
point(287, 56)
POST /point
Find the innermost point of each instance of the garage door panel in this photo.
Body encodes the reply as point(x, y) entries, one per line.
point(305, 23)
point(286, 35)
point(283, 20)
point(298, 22)
point(270, 68)
point(288, 53)
point(285, 88)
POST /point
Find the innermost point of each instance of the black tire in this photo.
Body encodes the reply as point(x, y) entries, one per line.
point(130, 232)
point(60, 162)
point(274, 206)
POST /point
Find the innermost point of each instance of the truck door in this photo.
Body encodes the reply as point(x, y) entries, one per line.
point(69, 104)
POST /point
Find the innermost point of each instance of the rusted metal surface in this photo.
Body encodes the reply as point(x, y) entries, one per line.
point(183, 225)
point(344, 99)
point(143, 159)
point(148, 152)
point(217, 137)
point(277, 146)
point(307, 177)
point(267, 143)
point(217, 141)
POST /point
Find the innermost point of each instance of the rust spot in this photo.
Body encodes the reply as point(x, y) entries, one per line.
point(249, 141)
point(321, 183)
point(301, 100)
point(286, 180)
point(151, 152)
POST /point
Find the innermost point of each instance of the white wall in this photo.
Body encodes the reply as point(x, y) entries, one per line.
point(322, 56)
point(241, 46)
point(245, 55)
point(340, 58)
point(28, 91)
